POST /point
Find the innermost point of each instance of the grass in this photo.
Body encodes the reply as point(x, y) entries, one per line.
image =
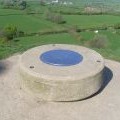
point(27, 23)
point(4, 12)
point(87, 21)
point(36, 23)
point(112, 51)
point(24, 43)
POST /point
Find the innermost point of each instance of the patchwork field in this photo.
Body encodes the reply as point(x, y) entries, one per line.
point(34, 23)
point(27, 23)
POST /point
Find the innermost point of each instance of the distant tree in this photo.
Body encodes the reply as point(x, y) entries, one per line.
point(7, 3)
point(10, 32)
point(54, 17)
point(14, 4)
point(1, 2)
point(99, 41)
point(22, 4)
point(117, 26)
point(57, 18)
point(1, 33)
point(42, 2)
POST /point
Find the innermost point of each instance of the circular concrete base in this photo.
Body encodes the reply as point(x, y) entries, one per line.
point(61, 83)
point(16, 104)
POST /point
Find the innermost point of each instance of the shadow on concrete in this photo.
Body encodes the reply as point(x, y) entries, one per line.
point(3, 67)
point(107, 77)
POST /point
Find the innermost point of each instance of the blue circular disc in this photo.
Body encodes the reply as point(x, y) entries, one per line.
point(61, 57)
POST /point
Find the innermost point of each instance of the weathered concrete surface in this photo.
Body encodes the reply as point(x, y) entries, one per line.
point(56, 83)
point(15, 104)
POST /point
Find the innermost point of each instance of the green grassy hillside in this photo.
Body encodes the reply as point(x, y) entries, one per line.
point(36, 23)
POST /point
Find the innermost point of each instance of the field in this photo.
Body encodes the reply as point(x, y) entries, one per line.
point(23, 21)
point(87, 21)
point(34, 23)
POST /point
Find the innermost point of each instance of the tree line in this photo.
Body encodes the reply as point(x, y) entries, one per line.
point(16, 4)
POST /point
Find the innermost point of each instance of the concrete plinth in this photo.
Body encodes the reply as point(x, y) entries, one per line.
point(61, 83)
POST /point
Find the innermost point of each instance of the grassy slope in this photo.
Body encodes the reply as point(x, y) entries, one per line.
point(112, 51)
point(30, 23)
point(24, 43)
